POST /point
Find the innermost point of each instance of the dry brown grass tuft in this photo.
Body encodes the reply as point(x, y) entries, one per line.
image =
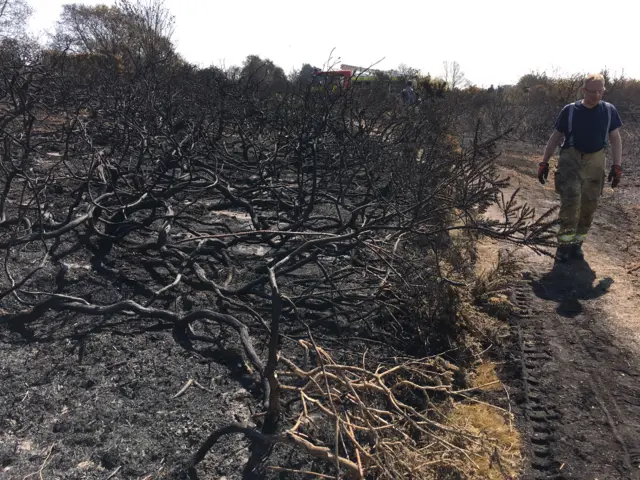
point(499, 457)
point(486, 378)
point(493, 284)
point(496, 278)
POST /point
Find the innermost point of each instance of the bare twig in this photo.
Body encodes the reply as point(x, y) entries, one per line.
point(43, 466)
point(184, 388)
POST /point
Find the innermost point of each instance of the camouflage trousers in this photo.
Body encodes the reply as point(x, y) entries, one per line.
point(579, 180)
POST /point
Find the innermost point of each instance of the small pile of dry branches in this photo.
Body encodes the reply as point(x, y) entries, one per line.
point(387, 423)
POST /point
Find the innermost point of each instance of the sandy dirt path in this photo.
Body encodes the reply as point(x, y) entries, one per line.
point(575, 358)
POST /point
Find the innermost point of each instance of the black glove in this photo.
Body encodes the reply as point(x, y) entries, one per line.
point(543, 172)
point(614, 175)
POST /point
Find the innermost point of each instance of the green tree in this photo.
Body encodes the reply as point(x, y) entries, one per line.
point(304, 75)
point(533, 79)
point(136, 31)
point(264, 73)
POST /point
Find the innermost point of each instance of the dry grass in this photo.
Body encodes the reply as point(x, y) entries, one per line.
point(493, 284)
point(496, 278)
point(486, 378)
point(500, 456)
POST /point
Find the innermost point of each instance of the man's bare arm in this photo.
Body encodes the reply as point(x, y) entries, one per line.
point(616, 146)
point(552, 144)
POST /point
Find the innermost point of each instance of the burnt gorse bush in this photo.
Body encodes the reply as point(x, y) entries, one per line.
point(241, 207)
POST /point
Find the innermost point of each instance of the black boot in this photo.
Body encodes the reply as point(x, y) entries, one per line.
point(563, 253)
point(576, 251)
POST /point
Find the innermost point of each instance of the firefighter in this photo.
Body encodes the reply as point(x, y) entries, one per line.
point(587, 127)
point(409, 96)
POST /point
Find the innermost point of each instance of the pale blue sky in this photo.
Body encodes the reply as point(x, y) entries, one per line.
point(494, 41)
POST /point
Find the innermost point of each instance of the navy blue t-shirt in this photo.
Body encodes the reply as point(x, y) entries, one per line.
point(589, 125)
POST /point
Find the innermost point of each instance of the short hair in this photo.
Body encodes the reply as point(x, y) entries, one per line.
point(592, 77)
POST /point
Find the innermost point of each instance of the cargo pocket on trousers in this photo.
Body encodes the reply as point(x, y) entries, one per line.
point(557, 181)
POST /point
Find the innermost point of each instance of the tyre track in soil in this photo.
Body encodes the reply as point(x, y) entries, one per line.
point(574, 362)
point(580, 400)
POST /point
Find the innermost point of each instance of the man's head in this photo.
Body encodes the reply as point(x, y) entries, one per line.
point(593, 89)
